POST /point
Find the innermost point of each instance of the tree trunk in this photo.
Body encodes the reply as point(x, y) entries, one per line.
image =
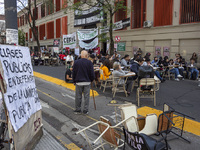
point(111, 34)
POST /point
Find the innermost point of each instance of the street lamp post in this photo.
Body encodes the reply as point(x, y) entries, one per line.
point(11, 21)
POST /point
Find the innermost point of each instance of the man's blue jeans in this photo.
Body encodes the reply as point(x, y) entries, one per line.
point(175, 71)
point(192, 70)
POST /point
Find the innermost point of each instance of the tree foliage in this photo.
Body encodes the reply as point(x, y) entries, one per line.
point(21, 38)
point(109, 7)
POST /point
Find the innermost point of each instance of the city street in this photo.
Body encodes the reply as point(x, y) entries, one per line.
point(58, 106)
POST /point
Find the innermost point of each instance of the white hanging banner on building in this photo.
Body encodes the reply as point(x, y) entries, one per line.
point(21, 97)
point(90, 45)
point(87, 34)
point(12, 36)
point(69, 40)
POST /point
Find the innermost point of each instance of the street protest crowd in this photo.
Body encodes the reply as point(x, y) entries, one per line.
point(117, 65)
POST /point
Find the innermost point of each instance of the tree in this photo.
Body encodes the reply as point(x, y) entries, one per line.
point(21, 38)
point(109, 7)
point(28, 8)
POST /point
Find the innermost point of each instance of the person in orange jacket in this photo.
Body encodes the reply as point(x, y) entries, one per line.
point(106, 70)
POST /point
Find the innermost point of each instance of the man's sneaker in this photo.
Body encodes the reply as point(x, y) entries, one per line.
point(85, 112)
point(179, 76)
point(77, 112)
point(177, 79)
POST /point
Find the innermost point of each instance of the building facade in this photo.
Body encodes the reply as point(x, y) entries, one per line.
point(165, 26)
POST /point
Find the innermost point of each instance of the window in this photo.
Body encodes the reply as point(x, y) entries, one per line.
point(121, 13)
point(50, 7)
point(30, 33)
point(26, 36)
point(26, 18)
point(18, 21)
point(58, 28)
point(64, 3)
point(35, 13)
point(57, 5)
point(64, 25)
point(42, 31)
point(190, 11)
point(35, 32)
point(50, 30)
point(138, 13)
point(163, 12)
point(76, 1)
point(42, 10)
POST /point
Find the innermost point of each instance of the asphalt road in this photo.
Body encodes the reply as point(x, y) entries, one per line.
point(58, 106)
point(183, 96)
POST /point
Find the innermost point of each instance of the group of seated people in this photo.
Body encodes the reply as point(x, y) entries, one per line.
point(160, 67)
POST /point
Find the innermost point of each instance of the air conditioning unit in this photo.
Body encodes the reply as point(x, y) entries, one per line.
point(148, 24)
point(45, 38)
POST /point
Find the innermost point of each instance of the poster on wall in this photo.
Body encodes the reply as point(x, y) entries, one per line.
point(69, 40)
point(135, 48)
point(12, 36)
point(21, 97)
point(157, 50)
point(166, 51)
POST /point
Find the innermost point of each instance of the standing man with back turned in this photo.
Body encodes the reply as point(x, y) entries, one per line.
point(83, 75)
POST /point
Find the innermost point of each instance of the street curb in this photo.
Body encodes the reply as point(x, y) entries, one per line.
point(60, 82)
point(65, 142)
point(189, 126)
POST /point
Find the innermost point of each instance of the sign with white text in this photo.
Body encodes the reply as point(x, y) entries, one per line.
point(69, 40)
point(21, 97)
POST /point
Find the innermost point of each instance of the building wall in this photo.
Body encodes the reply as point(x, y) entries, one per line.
point(180, 38)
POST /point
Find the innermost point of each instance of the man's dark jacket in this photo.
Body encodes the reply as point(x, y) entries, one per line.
point(83, 71)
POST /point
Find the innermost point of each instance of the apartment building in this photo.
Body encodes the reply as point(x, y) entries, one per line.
point(165, 26)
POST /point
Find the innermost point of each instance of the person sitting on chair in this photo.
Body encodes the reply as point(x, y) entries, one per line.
point(106, 70)
point(68, 75)
point(193, 69)
point(118, 72)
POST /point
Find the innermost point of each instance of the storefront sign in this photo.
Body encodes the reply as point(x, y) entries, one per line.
point(90, 45)
point(121, 46)
point(87, 34)
point(69, 40)
point(86, 17)
point(21, 97)
point(12, 36)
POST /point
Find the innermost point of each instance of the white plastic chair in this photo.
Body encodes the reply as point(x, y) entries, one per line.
point(150, 126)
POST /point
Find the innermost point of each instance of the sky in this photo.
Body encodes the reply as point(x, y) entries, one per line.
point(2, 6)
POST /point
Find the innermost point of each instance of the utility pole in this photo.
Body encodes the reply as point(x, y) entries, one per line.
point(11, 21)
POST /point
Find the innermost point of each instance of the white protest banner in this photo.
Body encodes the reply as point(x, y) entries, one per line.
point(21, 96)
point(90, 45)
point(87, 34)
point(12, 36)
point(69, 40)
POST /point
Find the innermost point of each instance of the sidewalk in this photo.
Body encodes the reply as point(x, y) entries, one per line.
point(48, 142)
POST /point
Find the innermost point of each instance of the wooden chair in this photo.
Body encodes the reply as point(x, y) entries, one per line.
point(108, 135)
point(147, 125)
point(117, 87)
point(135, 84)
point(140, 141)
point(146, 89)
point(105, 82)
